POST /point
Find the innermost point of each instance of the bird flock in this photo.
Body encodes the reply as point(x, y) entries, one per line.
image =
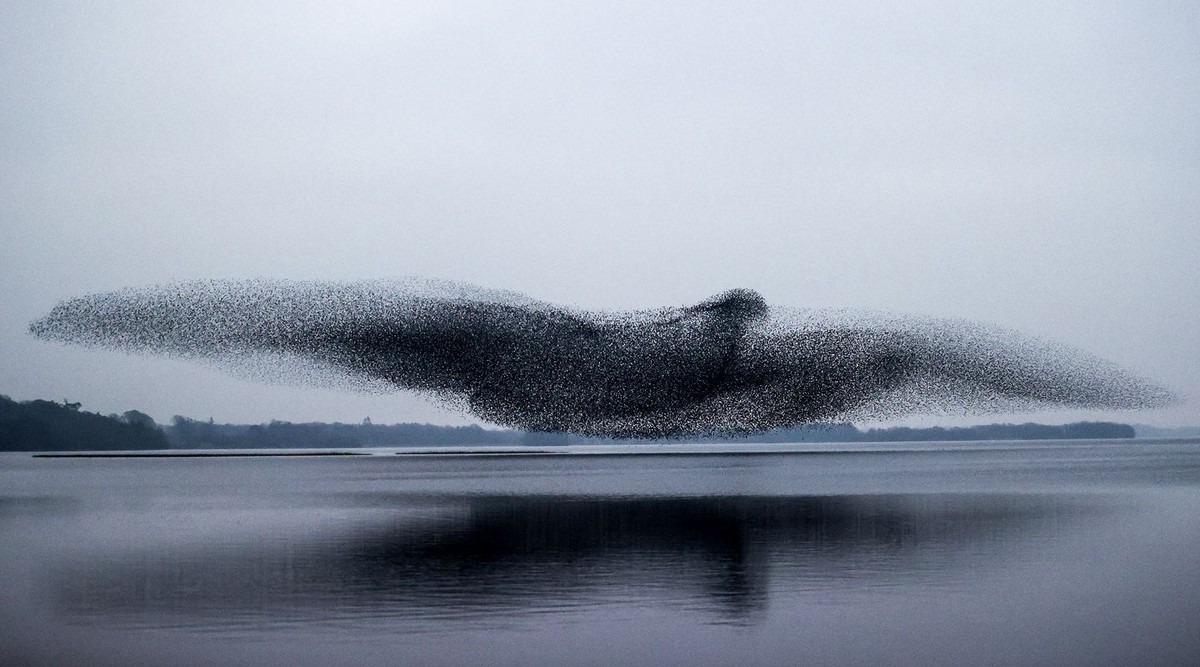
point(728, 365)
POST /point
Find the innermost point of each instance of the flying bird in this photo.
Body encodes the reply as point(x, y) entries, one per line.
point(727, 365)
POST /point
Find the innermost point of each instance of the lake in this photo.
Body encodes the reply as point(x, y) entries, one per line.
point(992, 553)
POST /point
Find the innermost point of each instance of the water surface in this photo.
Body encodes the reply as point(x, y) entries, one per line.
point(1069, 553)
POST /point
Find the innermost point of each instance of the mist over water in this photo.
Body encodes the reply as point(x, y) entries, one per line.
point(1058, 553)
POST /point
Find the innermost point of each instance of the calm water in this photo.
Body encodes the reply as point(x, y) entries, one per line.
point(1076, 553)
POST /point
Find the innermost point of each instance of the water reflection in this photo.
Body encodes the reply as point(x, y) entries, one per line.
point(485, 559)
point(23, 506)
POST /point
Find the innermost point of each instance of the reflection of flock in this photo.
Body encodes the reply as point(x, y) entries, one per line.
point(507, 555)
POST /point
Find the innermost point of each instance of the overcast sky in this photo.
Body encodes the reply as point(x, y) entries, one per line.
point(1027, 164)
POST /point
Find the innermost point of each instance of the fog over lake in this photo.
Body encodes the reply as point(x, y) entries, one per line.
point(1025, 165)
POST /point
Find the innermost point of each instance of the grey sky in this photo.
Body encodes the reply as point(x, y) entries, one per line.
point(1031, 165)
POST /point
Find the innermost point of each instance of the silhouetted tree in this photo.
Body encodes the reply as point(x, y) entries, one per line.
point(48, 426)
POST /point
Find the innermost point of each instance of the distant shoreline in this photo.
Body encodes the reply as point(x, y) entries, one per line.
point(61, 428)
point(174, 454)
point(631, 450)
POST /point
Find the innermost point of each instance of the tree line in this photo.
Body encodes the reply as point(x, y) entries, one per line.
point(40, 425)
point(187, 433)
point(851, 433)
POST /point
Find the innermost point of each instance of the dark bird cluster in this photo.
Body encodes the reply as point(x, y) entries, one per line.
point(727, 365)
